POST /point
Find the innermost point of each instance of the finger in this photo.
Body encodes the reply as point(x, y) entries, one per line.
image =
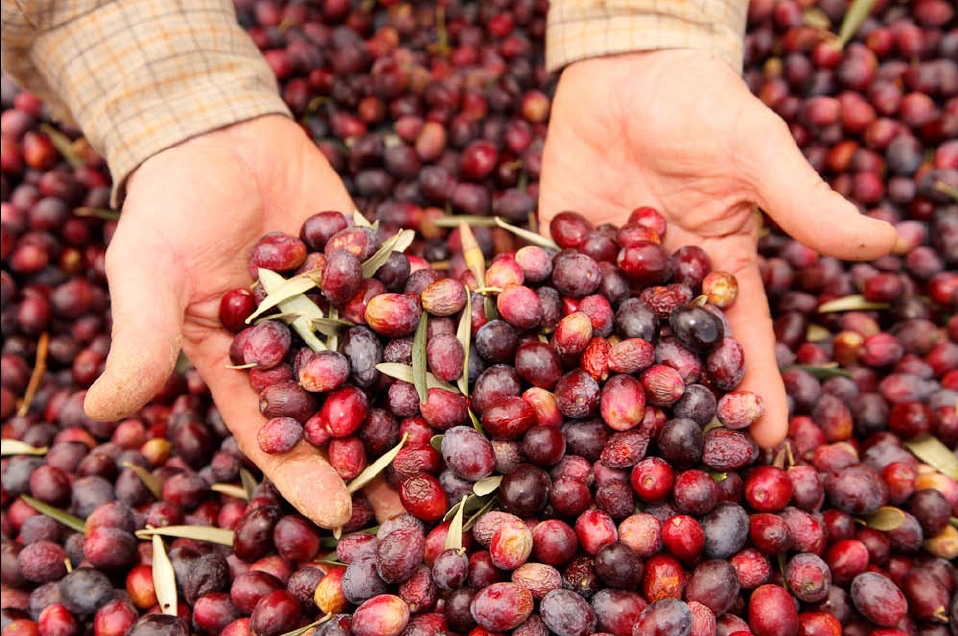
point(792, 193)
point(384, 498)
point(147, 311)
point(751, 325)
point(303, 475)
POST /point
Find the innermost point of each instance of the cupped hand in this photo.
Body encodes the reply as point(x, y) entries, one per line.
point(679, 131)
point(191, 217)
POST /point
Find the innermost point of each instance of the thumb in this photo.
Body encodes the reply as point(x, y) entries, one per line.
point(148, 304)
point(796, 197)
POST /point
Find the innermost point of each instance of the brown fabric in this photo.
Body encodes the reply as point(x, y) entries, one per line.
point(579, 29)
point(137, 76)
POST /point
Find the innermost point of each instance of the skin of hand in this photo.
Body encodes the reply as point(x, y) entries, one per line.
point(678, 130)
point(192, 214)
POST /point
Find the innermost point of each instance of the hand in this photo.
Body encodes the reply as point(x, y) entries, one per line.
point(191, 217)
point(679, 131)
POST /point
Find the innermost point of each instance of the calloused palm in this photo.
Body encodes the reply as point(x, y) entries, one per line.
point(190, 219)
point(678, 130)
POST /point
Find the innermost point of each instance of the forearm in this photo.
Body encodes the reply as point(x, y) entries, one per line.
point(579, 29)
point(138, 76)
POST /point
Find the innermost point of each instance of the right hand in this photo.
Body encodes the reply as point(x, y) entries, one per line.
point(679, 131)
point(192, 215)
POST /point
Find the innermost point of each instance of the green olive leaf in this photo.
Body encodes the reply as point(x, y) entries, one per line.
point(822, 371)
point(486, 507)
point(454, 535)
point(886, 518)
point(61, 516)
point(419, 357)
point(399, 242)
point(249, 483)
point(855, 16)
point(930, 450)
point(230, 490)
point(452, 220)
point(529, 237)
point(404, 372)
point(487, 485)
point(378, 466)
point(301, 631)
point(199, 533)
point(153, 483)
point(164, 577)
point(360, 220)
point(16, 447)
point(270, 281)
point(464, 334)
point(855, 302)
point(289, 288)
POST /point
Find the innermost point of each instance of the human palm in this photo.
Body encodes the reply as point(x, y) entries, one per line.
point(679, 131)
point(192, 214)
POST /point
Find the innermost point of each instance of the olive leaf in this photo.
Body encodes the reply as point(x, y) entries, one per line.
point(360, 220)
point(301, 631)
point(529, 237)
point(816, 333)
point(330, 326)
point(822, 371)
point(855, 302)
point(164, 577)
point(270, 281)
point(714, 424)
point(486, 507)
point(399, 242)
point(436, 442)
point(369, 473)
point(97, 213)
point(289, 288)
point(419, 357)
point(241, 367)
point(404, 372)
point(199, 533)
point(454, 534)
point(476, 424)
point(285, 318)
point(249, 483)
point(455, 508)
point(332, 337)
point(487, 485)
point(64, 145)
point(230, 490)
point(153, 483)
point(16, 447)
point(855, 16)
point(464, 334)
point(474, 221)
point(331, 561)
point(476, 263)
point(36, 376)
point(816, 18)
point(886, 518)
point(61, 516)
point(930, 450)
point(328, 543)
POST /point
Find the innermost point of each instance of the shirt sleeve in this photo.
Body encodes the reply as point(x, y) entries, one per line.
point(137, 76)
point(579, 29)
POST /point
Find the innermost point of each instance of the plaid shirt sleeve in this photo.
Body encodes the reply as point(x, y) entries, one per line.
point(138, 76)
point(579, 29)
